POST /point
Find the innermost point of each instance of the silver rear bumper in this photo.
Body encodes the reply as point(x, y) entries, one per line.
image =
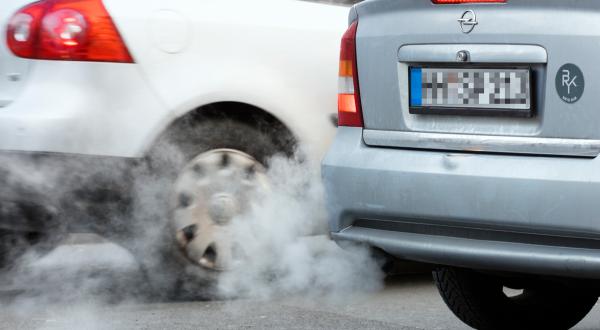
point(480, 254)
point(528, 214)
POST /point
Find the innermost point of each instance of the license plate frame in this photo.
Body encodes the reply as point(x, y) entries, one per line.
point(496, 110)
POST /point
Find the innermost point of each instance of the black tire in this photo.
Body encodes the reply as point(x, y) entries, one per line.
point(171, 274)
point(479, 301)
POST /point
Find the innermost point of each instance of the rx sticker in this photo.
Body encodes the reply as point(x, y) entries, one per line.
point(569, 83)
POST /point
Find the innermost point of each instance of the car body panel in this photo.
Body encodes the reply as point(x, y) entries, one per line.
point(236, 50)
point(387, 26)
point(504, 191)
point(489, 255)
point(13, 70)
point(187, 54)
point(529, 196)
point(102, 109)
point(503, 194)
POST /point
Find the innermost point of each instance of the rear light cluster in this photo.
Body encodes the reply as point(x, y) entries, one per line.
point(349, 107)
point(449, 2)
point(69, 30)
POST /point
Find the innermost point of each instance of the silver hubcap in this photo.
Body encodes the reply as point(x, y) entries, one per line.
point(210, 191)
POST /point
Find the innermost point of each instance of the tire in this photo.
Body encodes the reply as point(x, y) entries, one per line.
point(171, 274)
point(479, 301)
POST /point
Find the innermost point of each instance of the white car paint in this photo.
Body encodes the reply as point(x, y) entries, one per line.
point(278, 55)
point(12, 69)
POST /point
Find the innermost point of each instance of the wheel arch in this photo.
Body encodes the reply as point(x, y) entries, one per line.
point(282, 135)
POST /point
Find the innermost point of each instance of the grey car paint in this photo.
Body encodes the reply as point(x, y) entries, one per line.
point(466, 200)
point(567, 30)
point(456, 202)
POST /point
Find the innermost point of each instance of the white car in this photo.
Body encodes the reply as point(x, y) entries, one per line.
point(99, 98)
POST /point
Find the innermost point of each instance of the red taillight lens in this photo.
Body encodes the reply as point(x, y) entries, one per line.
point(64, 33)
point(23, 28)
point(450, 2)
point(76, 30)
point(349, 107)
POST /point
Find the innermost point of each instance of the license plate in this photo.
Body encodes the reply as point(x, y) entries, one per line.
point(477, 91)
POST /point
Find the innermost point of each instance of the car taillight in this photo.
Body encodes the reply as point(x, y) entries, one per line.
point(449, 2)
point(349, 107)
point(69, 30)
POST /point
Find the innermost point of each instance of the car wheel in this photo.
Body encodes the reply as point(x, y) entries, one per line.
point(480, 301)
point(202, 175)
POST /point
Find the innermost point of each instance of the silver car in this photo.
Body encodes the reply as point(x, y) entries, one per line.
point(469, 135)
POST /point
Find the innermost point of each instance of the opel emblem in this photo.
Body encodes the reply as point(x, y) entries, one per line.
point(467, 21)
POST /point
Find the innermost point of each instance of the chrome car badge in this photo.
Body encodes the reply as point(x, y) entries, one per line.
point(467, 21)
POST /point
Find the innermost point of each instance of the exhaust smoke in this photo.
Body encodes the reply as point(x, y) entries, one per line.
point(282, 238)
point(286, 250)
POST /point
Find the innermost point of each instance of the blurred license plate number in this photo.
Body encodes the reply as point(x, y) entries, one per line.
point(478, 91)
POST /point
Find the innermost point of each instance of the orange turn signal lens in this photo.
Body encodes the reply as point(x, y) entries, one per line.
point(346, 68)
point(346, 103)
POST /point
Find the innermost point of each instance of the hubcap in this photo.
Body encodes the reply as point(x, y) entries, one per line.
point(211, 190)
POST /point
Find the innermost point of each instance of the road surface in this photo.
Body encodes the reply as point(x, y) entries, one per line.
point(406, 302)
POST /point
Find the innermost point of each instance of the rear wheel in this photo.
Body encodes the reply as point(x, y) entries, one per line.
point(480, 301)
point(199, 178)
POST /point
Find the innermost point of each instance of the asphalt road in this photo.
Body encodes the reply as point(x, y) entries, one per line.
point(406, 302)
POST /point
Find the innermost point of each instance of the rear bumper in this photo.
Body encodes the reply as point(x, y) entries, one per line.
point(41, 191)
point(482, 254)
point(87, 108)
point(499, 212)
